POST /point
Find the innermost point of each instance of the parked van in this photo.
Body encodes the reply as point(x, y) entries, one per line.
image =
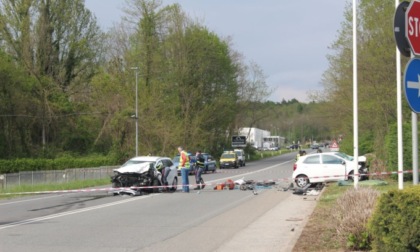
point(241, 156)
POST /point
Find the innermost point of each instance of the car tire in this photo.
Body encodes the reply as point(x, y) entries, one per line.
point(302, 181)
point(174, 184)
point(351, 176)
point(156, 185)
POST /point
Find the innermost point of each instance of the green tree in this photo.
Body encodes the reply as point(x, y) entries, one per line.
point(58, 43)
point(376, 76)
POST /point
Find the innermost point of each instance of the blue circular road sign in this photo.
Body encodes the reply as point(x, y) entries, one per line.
point(412, 84)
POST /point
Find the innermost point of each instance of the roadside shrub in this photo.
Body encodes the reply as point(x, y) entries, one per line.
point(396, 220)
point(61, 163)
point(352, 211)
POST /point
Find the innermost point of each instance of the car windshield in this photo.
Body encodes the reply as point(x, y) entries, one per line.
point(132, 162)
point(345, 156)
point(175, 159)
point(228, 156)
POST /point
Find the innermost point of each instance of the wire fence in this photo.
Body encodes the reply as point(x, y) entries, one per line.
point(10, 180)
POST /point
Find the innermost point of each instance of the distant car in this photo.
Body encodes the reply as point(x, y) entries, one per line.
point(315, 146)
point(209, 163)
point(229, 159)
point(293, 147)
point(325, 167)
point(175, 160)
point(241, 156)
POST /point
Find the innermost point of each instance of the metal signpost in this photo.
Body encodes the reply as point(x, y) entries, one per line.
point(411, 79)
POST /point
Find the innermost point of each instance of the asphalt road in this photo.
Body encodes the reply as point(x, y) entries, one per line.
point(98, 221)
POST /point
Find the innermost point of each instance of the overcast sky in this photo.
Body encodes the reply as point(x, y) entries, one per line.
point(288, 39)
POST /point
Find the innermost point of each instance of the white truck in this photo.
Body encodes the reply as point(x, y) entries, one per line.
point(241, 156)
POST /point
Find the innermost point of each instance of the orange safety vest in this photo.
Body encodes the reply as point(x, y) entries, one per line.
point(184, 160)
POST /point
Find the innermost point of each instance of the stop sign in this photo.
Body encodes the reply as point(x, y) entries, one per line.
point(412, 27)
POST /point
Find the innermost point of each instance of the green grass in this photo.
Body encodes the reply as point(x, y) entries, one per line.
point(21, 190)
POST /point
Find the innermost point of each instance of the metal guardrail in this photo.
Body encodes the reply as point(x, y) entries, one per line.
point(54, 176)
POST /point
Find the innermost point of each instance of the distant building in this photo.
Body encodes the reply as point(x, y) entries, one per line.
point(273, 141)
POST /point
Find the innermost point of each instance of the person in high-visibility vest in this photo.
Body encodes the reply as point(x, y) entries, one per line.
point(184, 163)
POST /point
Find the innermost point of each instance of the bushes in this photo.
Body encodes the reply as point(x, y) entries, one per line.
point(389, 222)
point(396, 221)
point(352, 211)
point(61, 163)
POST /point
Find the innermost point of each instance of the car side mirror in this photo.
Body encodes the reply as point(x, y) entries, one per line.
point(343, 162)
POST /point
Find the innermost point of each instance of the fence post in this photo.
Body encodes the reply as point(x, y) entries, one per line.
point(2, 181)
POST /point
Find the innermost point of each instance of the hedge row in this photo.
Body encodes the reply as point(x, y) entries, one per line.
point(62, 163)
point(395, 223)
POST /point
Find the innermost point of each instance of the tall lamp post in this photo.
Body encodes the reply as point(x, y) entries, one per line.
point(137, 112)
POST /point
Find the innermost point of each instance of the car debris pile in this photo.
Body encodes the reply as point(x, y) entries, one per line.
point(309, 189)
point(244, 185)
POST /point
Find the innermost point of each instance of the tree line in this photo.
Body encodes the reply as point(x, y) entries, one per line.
point(70, 88)
point(67, 87)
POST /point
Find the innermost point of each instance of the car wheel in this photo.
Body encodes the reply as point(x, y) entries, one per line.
point(351, 176)
point(174, 184)
point(156, 185)
point(116, 185)
point(302, 181)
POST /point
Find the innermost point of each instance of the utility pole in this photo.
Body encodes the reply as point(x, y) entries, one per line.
point(137, 112)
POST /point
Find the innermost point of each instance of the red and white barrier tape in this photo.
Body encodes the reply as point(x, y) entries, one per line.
point(116, 189)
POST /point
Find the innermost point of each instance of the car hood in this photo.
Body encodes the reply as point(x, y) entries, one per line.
point(134, 168)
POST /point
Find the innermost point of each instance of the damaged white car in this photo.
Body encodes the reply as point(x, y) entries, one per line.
point(145, 174)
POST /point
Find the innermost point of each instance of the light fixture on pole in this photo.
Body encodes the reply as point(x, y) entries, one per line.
point(137, 112)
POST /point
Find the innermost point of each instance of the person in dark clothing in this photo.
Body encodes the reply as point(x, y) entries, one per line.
point(199, 166)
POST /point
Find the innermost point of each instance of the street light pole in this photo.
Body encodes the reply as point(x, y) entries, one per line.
point(137, 112)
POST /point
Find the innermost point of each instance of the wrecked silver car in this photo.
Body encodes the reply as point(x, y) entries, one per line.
point(145, 174)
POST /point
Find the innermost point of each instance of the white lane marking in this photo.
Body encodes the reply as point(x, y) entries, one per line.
point(48, 217)
point(53, 216)
point(252, 172)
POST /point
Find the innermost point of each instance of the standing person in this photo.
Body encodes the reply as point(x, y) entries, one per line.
point(184, 163)
point(199, 166)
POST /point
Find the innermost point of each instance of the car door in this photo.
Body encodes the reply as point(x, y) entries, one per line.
point(311, 167)
point(172, 173)
point(211, 163)
point(333, 167)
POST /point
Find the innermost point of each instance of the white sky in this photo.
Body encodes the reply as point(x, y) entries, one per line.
point(288, 39)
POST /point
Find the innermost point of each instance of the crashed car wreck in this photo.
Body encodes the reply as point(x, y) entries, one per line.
point(144, 174)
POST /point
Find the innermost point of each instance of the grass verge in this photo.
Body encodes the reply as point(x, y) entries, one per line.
point(320, 232)
point(23, 190)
